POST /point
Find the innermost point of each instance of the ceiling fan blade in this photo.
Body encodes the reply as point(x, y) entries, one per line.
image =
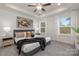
point(43, 9)
point(35, 10)
point(47, 4)
point(31, 5)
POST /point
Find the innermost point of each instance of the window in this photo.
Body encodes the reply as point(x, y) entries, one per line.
point(43, 27)
point(65, 25)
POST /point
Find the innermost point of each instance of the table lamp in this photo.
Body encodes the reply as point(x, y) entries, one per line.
point(7, 30)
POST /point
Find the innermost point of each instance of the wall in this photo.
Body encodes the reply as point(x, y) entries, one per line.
point(52, 26)
point(8, 18)
point(63, 38)
point(77, 18)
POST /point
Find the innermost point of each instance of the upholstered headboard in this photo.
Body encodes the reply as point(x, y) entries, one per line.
point(27, 32)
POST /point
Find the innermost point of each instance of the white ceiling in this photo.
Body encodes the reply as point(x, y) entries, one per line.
point(52, 9)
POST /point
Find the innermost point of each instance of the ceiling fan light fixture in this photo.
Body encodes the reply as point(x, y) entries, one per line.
point(39, 7)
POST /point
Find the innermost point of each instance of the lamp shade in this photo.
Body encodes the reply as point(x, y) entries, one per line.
point(7, 29)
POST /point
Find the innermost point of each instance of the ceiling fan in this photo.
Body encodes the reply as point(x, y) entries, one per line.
point(39, 6)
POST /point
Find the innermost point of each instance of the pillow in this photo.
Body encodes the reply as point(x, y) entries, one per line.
point(20, 34)
point(24, 34)
point(29, 34)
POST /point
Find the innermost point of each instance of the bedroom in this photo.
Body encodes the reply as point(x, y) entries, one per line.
point(46, 23)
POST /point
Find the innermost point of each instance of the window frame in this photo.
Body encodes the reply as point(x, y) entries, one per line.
point(43, 27)
point(63, 26)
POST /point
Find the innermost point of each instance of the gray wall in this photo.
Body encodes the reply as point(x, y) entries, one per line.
point(52, 26)
point(8, 18)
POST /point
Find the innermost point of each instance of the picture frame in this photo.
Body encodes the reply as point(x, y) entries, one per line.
point(24, 22)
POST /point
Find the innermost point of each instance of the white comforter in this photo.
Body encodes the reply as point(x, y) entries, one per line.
point(29, 47)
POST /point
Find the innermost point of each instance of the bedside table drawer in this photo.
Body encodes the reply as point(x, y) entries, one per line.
point(8, 41)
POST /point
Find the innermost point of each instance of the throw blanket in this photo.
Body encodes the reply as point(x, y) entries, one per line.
point(41, 41)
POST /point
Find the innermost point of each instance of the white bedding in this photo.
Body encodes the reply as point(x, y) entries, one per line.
point(30, 47)
point(17, 39)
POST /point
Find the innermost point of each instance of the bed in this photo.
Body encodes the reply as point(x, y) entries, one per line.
point(29, 49)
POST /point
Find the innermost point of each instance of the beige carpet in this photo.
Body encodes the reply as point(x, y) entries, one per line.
point(54, 49)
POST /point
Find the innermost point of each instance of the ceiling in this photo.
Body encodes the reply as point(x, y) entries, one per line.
point(52, 9)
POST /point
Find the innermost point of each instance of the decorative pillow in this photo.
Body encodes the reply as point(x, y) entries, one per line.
point(29, 34)
point(24, 34)
point(20, 34)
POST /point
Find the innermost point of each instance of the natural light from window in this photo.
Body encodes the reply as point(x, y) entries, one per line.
point(65, 25)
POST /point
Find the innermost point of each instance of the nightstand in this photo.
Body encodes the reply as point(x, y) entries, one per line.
point(7, 41)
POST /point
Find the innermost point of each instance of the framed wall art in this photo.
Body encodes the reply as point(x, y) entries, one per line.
point(24, 22)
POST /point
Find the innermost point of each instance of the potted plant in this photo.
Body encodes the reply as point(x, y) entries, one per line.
point(76, 29)
point(77, 32)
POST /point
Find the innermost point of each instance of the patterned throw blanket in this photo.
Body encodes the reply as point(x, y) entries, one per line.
point(41, 41)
